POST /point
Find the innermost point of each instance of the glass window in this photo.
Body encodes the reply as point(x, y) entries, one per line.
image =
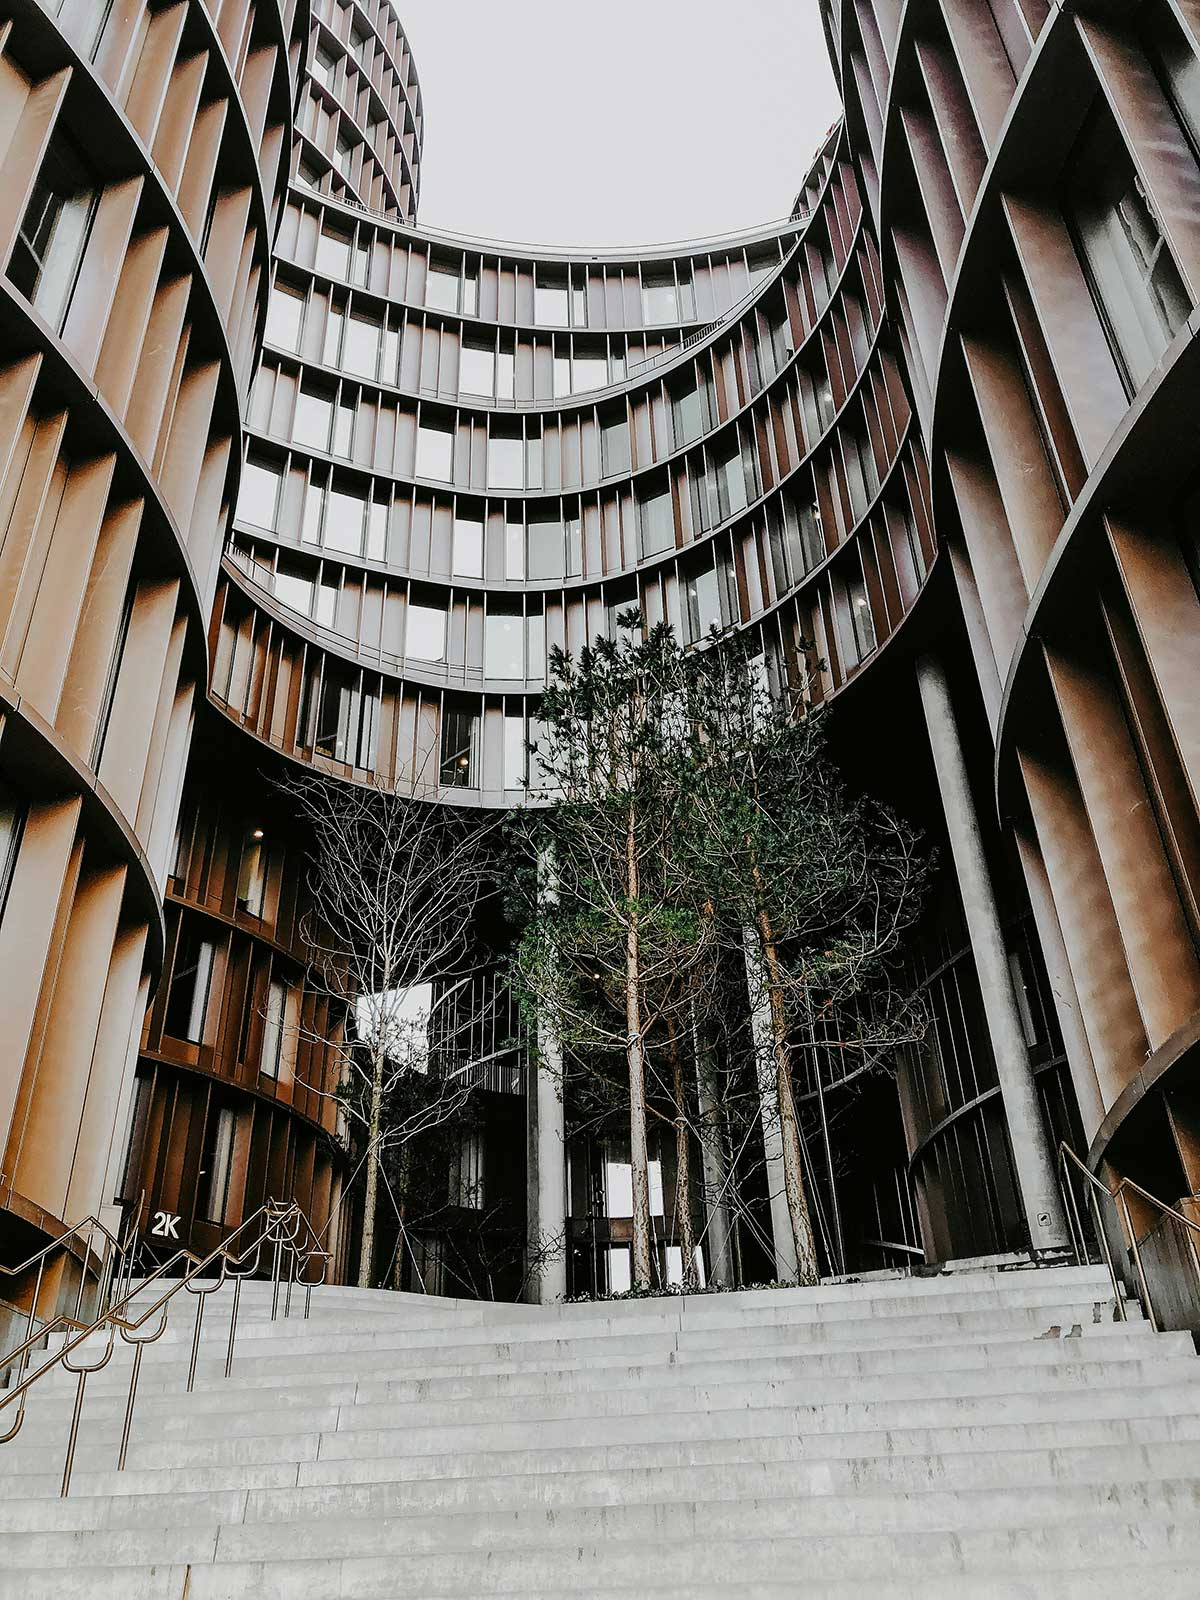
point(345, 720)
point(314, 507)
point(1137, 285)
point(313, 419)
point(477, 368)
point(858, 630)
point(285, 316)
point(687, 414)
point(535, 647)
point(326, 607)
point(442, 287)
point(590, 372)
point(435, 451)
point(191, 977)
point(503, 645)
point(334, 323)
point(703, 602)
point(656, 522)
point(252, 873)
point(258, 494)
point(545, 550)
point(343, 428)
point(460, 737)
point(377, 525)
point(322, 65)
point(514, 750)
point(344, 147)
point(614, 445)
point(360, 348)
point(618, 1188)
point(218, 1166)
point(660, 302)
point(333, 254)
point(514, 549)
point(466, 556)
point(506, 462)
point(293, 588)
point(54, 230)
point(562, 376)
point(732, 495)
point(425, 633)
point(506, 368)
point(620, 1271)
point(470, 292)
point(466, 1173)
point(273, 1019)
point(551, 304)
point(344, 517)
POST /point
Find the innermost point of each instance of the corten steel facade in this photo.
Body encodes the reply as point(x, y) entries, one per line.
point(1033, 171)
point(458, 453)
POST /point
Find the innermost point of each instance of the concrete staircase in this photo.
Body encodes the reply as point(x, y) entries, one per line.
point(982, 1434)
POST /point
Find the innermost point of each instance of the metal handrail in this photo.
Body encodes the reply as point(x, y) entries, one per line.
point(295, 1245)
point(1120, 1198)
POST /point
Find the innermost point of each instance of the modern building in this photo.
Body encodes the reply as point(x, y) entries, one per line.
point(291, 480)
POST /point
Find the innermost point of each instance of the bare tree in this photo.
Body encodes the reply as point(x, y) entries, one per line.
point(607, 959)
point(394, 887)
point(814, 889)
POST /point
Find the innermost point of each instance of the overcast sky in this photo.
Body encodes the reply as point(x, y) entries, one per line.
point(619, 122)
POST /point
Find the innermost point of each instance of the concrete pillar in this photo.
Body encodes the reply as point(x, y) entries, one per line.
point(787, 1267)
point(547, 1153)
point(714, 1167)
point(1035, 1166)
point(548, 1175)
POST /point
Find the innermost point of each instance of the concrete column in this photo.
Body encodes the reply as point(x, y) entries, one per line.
point(718, 1231)
point(1032, 1156)
point(548, 1174)
point(787, 1267)
point(547, 1153)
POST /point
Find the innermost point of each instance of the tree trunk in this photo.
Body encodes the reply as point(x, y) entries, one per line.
point(683, 1164)
point(643, 1276)
point(808, 1270)
point(366, 1254)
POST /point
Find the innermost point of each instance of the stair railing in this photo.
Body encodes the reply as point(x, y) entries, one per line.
point(1072, 1168)
point(107, 1266)
point(282, 1230)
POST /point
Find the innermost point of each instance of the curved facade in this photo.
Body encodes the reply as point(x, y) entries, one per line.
point(288, 479)
point(143, 153)
point(1033, 171)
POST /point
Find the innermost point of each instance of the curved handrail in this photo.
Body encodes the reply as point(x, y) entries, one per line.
point(1119, 1195)
point(236, 1258)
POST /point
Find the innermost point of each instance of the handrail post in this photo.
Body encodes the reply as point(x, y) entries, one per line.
point(200, 1300)
point(139, 1346)
point(1102, 1237)
point(73, 1437)
point(1123, 1201)
point(233, 1316)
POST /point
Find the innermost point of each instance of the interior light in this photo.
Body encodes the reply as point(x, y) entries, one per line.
point(257, 834)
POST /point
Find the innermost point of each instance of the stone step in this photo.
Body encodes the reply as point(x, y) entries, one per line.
point(1170, 1581)
point(315, 1353)
point(624, 1565)
point(1025, 1388)
point(851, 1517)
point(101, 1503)
point(701, 1313)
point(161, 1394)
point(713, 1413)
point(259, 1294)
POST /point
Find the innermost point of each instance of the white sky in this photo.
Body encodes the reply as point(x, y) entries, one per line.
point(616, 121)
